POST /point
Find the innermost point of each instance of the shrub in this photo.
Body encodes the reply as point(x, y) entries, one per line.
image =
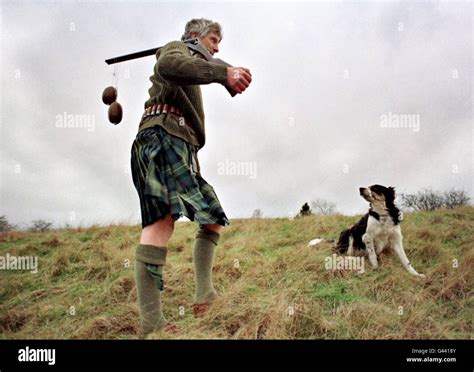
point(40, 226)
point(323, 207)
point(429, 200)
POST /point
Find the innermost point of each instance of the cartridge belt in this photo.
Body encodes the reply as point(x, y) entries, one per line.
point(159, 109)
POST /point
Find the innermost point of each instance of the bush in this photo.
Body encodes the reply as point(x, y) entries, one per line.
point(40, 226)
point(323, 207)
point(5, 226)
point(305, 210)
point(455, 198)
point(429, 200)
point(257, 213)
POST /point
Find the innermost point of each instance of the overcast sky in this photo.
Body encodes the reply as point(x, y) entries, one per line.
point(330, 83)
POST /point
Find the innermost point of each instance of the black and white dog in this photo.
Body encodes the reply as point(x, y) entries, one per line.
point(377, 230)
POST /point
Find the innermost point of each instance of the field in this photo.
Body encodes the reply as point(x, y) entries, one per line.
point(271, 284)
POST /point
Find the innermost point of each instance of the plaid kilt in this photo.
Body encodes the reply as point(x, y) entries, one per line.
point(165, 177)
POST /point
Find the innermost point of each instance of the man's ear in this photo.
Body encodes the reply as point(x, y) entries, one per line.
point(194, 34)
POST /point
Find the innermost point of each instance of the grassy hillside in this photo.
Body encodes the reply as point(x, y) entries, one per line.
point(84, 287)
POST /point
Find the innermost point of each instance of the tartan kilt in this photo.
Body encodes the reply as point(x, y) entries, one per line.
point(167, 182)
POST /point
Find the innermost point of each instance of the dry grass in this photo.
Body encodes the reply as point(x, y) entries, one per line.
point(271, 285)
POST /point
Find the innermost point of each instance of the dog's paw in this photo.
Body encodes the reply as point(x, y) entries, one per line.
point(375, 265)
point(373, 262)
point(421, 275)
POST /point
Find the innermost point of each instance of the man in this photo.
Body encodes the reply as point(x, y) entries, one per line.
point(166, 172)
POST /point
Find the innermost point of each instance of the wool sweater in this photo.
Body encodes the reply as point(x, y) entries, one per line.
point(176, 80)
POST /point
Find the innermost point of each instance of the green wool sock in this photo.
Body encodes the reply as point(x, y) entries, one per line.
point(203, 256)
point(149, 281)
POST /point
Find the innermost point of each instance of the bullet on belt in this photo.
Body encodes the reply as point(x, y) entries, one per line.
point(160, 108)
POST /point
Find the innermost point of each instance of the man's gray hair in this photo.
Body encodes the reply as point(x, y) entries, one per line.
point(202, 27)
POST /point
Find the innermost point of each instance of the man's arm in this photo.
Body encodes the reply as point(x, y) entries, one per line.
point(177, 67)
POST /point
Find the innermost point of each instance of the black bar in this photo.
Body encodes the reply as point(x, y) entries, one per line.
point(353, 355)
point(128, 57)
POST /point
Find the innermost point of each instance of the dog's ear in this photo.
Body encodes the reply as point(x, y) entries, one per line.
point(391, 192)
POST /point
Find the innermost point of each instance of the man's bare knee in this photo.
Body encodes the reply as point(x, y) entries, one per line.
point(166, 222)
point(216, 228)
point(159, 232)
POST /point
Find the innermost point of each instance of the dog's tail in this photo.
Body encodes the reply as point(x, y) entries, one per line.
point(319, 240)
point(343, 243)
point(315, 241)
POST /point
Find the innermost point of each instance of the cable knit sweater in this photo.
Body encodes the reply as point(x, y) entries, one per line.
point(176, 79)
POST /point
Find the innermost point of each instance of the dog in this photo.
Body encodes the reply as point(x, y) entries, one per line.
point(377, 230)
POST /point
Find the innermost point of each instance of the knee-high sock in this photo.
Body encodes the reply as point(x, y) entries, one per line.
point(148, 276)
point(203, 255)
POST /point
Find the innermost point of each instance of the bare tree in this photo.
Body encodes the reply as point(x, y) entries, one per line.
point(257, 213)
point(409, 201)
point(429, 200)
point(324, 207)
point(423, 200)
point(455, 198)
point(40, 226)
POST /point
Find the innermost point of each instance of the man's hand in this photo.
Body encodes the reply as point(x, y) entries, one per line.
point(238, 78)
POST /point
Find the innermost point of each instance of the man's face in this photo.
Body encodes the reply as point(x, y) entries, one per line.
point(210, 42)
